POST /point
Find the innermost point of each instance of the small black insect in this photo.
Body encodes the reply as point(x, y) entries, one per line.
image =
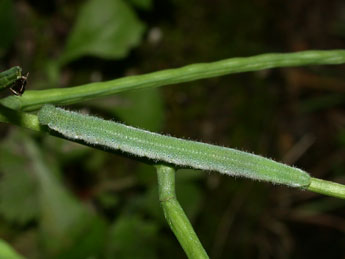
point(18, 87)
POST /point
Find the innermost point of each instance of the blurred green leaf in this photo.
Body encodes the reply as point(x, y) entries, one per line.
point(18, 195)
point(185, 174)
point(104, 28)
point(142, 4)
point(18, 200)
point(95, 160)
point(7, 252)
point(132, 237)
point(108, 200)
point(7, 25)
point(146, 175)
point(153, 207)
point(189, 195)
point(68, 230)
point(142, 108)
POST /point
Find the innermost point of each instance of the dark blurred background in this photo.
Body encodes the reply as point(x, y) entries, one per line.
point(63, 200)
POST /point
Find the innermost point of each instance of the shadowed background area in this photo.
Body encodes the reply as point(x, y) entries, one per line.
point(63, 200)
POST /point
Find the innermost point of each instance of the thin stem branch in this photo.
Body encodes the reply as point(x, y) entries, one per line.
point(327, 188)
point(175, 215)
point(21, 119)
point(32, 100)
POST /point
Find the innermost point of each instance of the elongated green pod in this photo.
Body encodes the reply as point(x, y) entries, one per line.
point(172, 150)
point(8, 77)
point(34, 99)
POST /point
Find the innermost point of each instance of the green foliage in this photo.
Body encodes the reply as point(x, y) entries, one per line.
point(6, 252)
point(67, 229)
point(189, 194)
point(104, 28)
point(100, 205)
point(132, 237)
point(18, 189)
point(143, 109)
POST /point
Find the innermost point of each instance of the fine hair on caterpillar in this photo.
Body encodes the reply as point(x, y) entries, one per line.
point(176, 151)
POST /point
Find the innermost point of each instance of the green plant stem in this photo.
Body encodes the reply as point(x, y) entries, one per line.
point(175, 215)
point(22, 119)
point(32, 100)
point(31, 121)
point(327, 188)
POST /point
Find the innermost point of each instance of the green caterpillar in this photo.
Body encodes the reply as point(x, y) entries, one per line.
point(184, 153)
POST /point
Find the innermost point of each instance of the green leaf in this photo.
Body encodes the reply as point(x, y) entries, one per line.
point(104, 28)
point(68, 229)
point(132, 237)
point(142, 108)
point(18, 189)
point(7, 252)
point(190, 196)
point(18, 199)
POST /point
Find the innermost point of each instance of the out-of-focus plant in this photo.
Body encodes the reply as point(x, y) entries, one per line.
point(67, 229)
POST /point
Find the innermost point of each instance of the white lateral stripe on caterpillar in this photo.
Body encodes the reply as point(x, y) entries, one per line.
point(172, 150)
